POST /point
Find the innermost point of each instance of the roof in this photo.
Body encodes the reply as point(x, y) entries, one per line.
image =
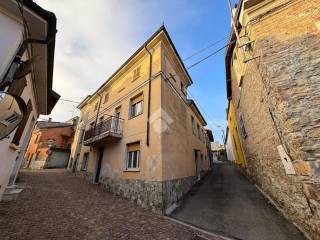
point(229, 52)
point(162, 28)
point(46, 124)
point(51, 19)
point(192, 103)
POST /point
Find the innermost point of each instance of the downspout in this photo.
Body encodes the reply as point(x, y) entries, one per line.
point(149, 96)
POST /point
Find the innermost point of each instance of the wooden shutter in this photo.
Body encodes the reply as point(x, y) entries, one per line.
point(134, 147)
point(137, 99)
point(22, 125)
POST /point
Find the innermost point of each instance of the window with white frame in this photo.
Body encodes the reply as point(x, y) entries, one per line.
point(133, 157)
point(136, 106)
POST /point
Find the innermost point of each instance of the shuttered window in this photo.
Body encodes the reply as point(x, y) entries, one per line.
point(22, 125)
point(133, 156)
point(136, 73)
point(136, 106)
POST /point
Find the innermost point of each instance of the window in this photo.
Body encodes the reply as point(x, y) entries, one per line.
point(136, 73)
point(136, 106)
point(85, 160)
point(96, 107)
point(193, 124)
point(133, 156)
point(182, 88)
point(242, 127)
point(198, 129)
point(106, 98)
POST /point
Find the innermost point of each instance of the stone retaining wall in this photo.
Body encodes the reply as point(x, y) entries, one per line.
point(154, 195)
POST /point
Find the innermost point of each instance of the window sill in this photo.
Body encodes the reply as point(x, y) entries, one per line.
point(132, 170)
point(131, 117)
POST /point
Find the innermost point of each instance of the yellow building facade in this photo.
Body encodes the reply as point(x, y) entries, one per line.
point(235, 137)
point(139, 134)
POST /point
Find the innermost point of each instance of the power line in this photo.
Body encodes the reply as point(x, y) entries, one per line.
point(68, 100)
point(205, 48)
point(208, 56)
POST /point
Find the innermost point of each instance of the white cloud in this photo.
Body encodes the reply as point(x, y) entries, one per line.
point(95, 37)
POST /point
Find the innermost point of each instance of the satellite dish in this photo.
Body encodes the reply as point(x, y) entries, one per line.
point(12, 111)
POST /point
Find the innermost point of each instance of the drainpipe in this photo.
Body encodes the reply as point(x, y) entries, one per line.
point(149, 96)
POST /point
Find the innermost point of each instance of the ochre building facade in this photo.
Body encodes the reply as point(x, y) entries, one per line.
point(139, 134)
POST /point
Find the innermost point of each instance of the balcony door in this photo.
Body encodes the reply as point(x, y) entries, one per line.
point(197, 164)
point(98, 166)
point(117, 119)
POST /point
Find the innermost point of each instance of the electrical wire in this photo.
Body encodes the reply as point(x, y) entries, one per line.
point(68, 100)
point(205, 48)
point(208, 56)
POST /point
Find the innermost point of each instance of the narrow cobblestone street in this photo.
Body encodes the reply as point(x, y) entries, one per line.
point(57, 205)
point(228, 204)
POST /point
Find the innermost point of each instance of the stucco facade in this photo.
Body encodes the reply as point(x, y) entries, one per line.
point(273, 84)
point(166, 146)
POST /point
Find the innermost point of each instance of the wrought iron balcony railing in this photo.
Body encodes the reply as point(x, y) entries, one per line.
point(105, 130)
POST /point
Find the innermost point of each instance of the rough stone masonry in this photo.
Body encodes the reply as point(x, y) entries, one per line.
point(280, 104)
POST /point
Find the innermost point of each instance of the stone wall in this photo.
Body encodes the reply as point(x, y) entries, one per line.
point(174, 190)
point(285, 79)
point(154, 195)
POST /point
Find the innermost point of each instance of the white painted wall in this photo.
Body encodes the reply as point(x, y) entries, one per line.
point(10, 39)
point(229, 150)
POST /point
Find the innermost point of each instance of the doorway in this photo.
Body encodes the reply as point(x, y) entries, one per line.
point(197, 163)
point(117, 119)
point(99, 163)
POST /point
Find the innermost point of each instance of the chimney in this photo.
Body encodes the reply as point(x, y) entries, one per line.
point(50, 119)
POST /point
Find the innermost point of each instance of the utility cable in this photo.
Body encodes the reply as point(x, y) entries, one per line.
point(205, 48)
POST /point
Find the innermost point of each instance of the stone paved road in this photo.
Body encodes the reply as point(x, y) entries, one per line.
point(228, 204)
point(58, 205)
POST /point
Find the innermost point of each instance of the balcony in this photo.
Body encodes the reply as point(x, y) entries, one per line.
point(109, 129)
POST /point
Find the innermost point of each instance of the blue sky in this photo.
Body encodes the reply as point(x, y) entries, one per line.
point(95, 37)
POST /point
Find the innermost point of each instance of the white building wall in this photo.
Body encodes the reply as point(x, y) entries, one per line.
point(229, 149)
point(10, 39)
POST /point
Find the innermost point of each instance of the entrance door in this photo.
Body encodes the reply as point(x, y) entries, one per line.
point(197, 163)
point(99, 163)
